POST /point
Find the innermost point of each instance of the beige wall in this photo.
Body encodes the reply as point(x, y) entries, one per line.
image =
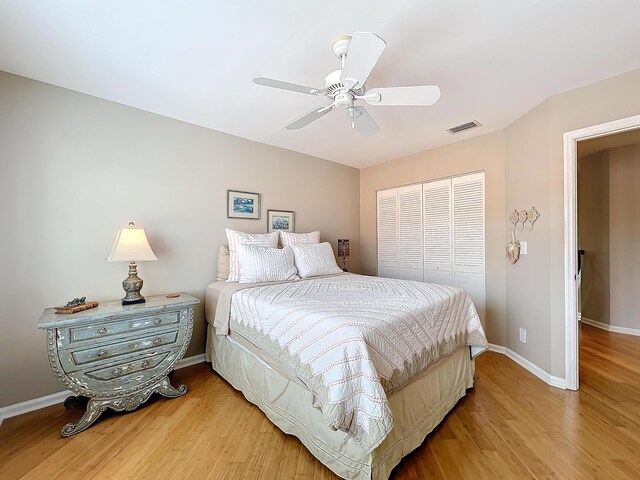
point(535, 175)
point(73, 168)
point(624, 216)
point(593, 235)
point(531, 293)
point(486, 153)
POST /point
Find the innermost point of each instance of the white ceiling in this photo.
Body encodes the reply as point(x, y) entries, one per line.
point(194, 61)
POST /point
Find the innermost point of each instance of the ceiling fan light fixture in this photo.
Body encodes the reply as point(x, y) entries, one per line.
point(358, 55)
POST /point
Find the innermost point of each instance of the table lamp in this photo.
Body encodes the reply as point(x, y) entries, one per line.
point(343, 251)
point(131, 245)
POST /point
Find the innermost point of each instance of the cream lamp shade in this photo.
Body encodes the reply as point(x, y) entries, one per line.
point(131, 245)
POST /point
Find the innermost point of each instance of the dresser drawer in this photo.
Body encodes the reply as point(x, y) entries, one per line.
point(123, 373)
point(138, 365)
point(135, 324)
point(132, 345)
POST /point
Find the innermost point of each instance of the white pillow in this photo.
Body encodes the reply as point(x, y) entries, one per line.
point(288, 238)
point(265, 264)
point(236, 239)
point(313, 260)
point(223, 263)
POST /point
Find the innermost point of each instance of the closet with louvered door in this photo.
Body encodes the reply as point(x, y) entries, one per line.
point(434, 231)
point(468, 237)
point(438, 247)
point(410, 264)
point(387, 219)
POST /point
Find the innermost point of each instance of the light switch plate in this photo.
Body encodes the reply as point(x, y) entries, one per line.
point(523, 248)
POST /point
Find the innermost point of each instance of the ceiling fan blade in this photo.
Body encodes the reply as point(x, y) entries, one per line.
point(364, 51)
point(408, 96)
point(362, 121)
point(312, 116)
point(270, 82)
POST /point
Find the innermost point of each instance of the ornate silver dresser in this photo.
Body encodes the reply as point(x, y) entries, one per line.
point(117, 355)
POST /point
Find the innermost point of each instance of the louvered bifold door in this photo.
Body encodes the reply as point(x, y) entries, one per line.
point(410, 232)
point(468, 237)
point(387, 219)
point(438, 250)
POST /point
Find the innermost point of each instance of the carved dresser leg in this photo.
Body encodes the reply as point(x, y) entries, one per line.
point(165, 388)
point(94, 409)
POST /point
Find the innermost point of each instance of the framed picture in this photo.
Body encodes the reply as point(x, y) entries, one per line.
point(243, 205)
point(280, 220)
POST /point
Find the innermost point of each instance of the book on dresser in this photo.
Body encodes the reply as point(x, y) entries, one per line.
point(119, 355)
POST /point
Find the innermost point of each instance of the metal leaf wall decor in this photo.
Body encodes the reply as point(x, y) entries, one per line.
point(521, 220)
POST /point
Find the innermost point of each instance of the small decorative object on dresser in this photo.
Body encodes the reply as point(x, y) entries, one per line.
point(118, 356)
point(76, 305)
point(280, 220)
point(131, 245)
point(343, 251)
point(243, 205)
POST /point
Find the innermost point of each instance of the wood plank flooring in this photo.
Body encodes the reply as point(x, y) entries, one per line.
point(511, 425)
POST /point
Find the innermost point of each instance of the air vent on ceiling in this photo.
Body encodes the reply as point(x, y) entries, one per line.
point(463, 127)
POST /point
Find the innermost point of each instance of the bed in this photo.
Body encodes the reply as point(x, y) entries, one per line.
point(361, 369)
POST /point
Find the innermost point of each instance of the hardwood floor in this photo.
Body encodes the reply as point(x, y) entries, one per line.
point(511, 425)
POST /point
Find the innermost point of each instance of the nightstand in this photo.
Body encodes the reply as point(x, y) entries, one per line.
point(116, 355)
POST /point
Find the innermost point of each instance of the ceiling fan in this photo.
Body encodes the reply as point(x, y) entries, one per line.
point(359, 54)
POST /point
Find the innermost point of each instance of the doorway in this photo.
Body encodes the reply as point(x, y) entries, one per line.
point(571, 140)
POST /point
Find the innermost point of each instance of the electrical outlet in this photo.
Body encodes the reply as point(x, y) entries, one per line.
point(523, 248)
point(523, 335)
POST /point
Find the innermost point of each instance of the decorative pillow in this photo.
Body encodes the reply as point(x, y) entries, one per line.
point(313, 260)
point(288, 238)
point(240, 238)
point(265, 264)
point(223, 263)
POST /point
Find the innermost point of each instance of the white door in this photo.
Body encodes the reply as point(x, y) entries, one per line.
point(410, 233)
point(468, 237)
point(387, 217)
point(438, 255)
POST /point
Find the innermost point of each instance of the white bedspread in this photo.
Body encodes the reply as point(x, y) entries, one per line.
point(354, 339)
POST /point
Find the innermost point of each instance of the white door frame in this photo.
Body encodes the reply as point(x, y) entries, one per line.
point(571, 140)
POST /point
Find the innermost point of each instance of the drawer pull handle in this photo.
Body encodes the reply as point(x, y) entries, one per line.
point(146, 364)
point(102, 330)
point(157, 321)
point(102, 353)
point(156, 341)
point(116, 371)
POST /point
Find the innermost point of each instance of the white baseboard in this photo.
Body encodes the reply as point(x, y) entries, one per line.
point(529, 366)
point(59, 397)
point(187, 362)
point(34, 404)
point(611, 328)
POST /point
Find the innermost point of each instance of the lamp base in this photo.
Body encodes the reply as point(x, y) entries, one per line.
point(132, 285)
point(132, 302)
